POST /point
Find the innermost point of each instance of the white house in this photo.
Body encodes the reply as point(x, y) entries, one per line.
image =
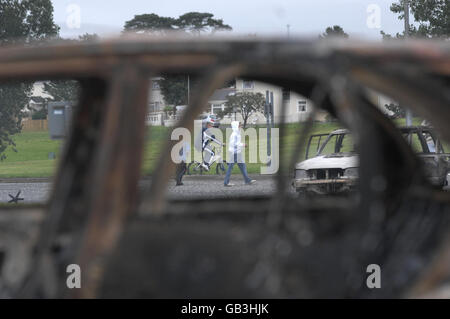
point(298, 108)
point(156, 114)
point(37, 99)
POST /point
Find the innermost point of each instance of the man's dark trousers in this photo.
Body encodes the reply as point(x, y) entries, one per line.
point(181, 170)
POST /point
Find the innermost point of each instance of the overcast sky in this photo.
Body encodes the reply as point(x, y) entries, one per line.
point(359, 18)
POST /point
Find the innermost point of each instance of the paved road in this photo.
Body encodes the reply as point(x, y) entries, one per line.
point(37, 191)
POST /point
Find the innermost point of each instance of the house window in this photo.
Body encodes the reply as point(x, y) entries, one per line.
point(286, 95)
point(301, 106)
point(155, 85)
point(216, 108)
point(154, 107)
point(248, 84)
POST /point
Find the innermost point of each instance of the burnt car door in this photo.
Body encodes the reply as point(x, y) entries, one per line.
point(429, 149)
point(435, 156)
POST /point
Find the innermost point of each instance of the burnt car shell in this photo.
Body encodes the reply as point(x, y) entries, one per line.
point(328, 173)
point(428, 147)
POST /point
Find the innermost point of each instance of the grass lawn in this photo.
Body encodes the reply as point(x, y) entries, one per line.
point(31, 158)
point(33, 148)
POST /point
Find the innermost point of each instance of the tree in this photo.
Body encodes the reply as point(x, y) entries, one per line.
point(88, 37)
point(62, 90)
point(13, 97)
point(174, 87)
point(23, 22)
point(39, 20)
point(334, 32)
point(246, 103)
point(433, 17)
point(191, 23)
point(26, 21)
point(198, 22)
point(150, 23)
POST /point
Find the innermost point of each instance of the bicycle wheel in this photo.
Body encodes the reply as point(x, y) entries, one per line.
point(194, 168)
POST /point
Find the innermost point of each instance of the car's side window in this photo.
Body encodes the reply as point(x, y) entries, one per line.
point(414, 141)
point(347, 144)
point(431, 142)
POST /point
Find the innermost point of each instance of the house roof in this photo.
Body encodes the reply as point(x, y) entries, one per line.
point(222, 94)
point(37, 99)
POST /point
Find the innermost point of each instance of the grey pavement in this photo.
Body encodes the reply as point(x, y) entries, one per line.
point(195, 187)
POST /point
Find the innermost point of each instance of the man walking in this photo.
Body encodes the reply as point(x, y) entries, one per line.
point(235, 149)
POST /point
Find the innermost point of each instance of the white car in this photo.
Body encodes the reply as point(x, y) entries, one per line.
point(332, 169)
point(334, 165)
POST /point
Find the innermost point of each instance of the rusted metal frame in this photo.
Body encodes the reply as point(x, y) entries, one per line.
point(156, 194)
point(415, 92)
point(154, 48)
point(214, 78)
point(116, 172)
point(97, 181)
point(432, 56)
point(318, 97)
point(383, 151)
point(437, 272)
point(69, 68)
point(276, 215)
point(66, 209)
point(355, 82)
point(382, 160)
point(278, 204)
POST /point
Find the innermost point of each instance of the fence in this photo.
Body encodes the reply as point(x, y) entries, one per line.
point(34, 125)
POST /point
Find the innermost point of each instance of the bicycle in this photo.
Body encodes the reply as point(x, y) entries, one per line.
point(196, 167)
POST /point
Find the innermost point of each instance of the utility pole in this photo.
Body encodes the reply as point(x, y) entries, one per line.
point(288, 29)
point(188, 89)
point(267, 111)
point(408, 114)
point(270, 120)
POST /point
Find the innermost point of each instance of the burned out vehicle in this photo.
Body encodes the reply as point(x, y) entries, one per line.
point(132, 243)
point(429, 148)
point(334, 167)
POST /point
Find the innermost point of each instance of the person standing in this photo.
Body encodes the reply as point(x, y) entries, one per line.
point(181, 167)
point(235, 149)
